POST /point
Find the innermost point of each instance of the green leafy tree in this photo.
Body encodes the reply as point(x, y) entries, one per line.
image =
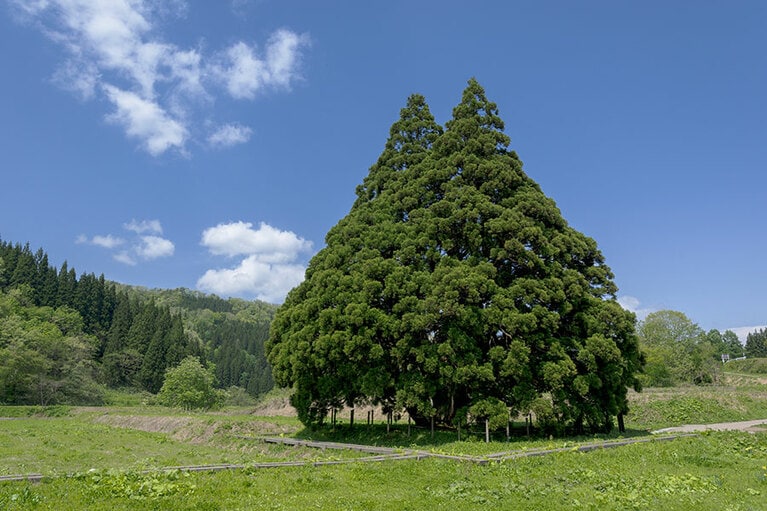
point(726, 343)
point(190, 386)
point(678, 350)
point(455, 284)
point(756, 344)
point(45, 358)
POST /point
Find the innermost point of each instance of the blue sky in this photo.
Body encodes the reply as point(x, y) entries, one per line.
point(211, 145)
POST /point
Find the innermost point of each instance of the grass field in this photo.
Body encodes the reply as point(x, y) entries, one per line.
point(106, 458)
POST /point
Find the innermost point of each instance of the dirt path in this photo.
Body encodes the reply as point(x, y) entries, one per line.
point(383, 452)
point(753, 426)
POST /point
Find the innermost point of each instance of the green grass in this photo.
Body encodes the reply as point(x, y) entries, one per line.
point(107, 449)
point(717, 471)
point(134, 439)
point(659, 408)
point(749, 366)
point(446, 442)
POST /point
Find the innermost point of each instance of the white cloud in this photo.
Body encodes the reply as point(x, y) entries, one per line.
point(153, 247)
point(245, 73)
point(81, 78)
point(268, 243)
point(229, 135)
point(150, 226)
point(282, 56)
point(115, 50)
point(144, 244)
point(269, 269)
point(632, 304)
point(264, 281)
point(125, 258)
point(146, 121)
point(107, 241)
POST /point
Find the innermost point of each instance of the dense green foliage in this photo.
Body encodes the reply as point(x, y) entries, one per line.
point(190, 386)
point(679, 351)
point(232, 331)
point(454, 285)
point(756, 344)
point(45, 357)
point(64, 338)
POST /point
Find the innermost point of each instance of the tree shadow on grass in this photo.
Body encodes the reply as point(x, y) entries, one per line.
point(404, 436)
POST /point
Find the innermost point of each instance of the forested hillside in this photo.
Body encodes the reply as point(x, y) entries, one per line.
point(64, 339)
point(233, 332)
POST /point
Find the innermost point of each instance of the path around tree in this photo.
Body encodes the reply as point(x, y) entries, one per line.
point(381, 454)
point(752, 426)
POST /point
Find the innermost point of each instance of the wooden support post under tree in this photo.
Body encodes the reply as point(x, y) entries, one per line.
point(487, 431)
point(408, 425)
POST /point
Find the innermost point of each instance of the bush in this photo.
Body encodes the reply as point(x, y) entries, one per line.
point(190, 386)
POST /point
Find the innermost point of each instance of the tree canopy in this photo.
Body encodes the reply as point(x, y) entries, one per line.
point(452, 285)
point(189, 385)
point(756, 344)
point(679, 351)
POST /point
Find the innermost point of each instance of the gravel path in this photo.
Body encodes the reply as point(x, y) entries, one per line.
point(754, 426)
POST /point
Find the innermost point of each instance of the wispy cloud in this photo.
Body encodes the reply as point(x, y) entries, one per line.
point(269, 269)
point(115, 50)
point(144, 245)
point(107, 241)
point(229, 135)
point(633, 304)
point(245, 73)
point(150, 226)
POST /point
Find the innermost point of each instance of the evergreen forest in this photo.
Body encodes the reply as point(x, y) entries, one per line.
point(65, 338)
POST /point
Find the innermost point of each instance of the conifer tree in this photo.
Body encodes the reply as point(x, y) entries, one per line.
point(453, 286)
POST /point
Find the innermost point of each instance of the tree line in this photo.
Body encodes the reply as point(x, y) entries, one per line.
point(678, 351)
point(64, 338)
